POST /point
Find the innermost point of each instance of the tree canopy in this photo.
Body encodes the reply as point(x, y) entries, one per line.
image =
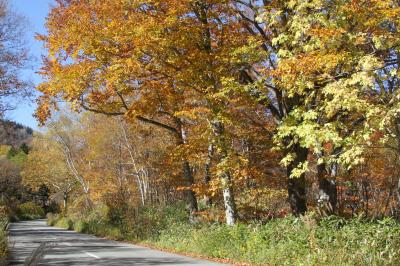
point(248, 92)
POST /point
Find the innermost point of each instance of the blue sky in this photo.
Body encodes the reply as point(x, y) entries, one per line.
point(36, 12)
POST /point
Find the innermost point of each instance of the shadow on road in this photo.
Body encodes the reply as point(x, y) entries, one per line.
point(64, 247)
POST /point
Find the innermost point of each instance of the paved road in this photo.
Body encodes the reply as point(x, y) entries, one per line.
point(70, 248)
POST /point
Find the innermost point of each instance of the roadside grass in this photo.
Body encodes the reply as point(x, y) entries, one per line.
point(281, 241)
point(3, 239)
point(65, 223)
point(30, 211)
point(290, 241)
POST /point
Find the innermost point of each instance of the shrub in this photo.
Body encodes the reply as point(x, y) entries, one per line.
point(151, 220)
point(3, 239)
point(51, 219)
point(80, 226)
point(65, 223)
point(8, 209)
point(114, 233)
point(291, 241)
point(30, 211)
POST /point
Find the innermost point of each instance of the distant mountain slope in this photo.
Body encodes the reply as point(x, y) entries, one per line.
point(14, 134)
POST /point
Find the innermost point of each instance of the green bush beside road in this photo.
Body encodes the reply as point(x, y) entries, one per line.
point(30, 211)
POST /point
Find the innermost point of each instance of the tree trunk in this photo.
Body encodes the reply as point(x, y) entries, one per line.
point(216, 124)
point(65, 201)
point(327, 192)
point(398, 198)
point(225, 177)
point(397, 132)
point(188, 177)
point(207, 175)
point(229, 200)
point(88, 202)
point(297, 185)
point(189, 193)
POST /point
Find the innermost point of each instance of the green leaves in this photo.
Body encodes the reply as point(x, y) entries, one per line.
point(303, 127)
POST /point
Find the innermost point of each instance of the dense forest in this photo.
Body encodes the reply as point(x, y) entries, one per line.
point(248, 98)
point(264, 132)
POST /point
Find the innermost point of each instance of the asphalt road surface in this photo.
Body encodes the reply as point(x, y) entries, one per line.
point(62, 247)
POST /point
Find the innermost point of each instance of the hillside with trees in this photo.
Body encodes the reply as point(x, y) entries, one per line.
point(15, 145)
point(259, 132)
point(14, 134)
